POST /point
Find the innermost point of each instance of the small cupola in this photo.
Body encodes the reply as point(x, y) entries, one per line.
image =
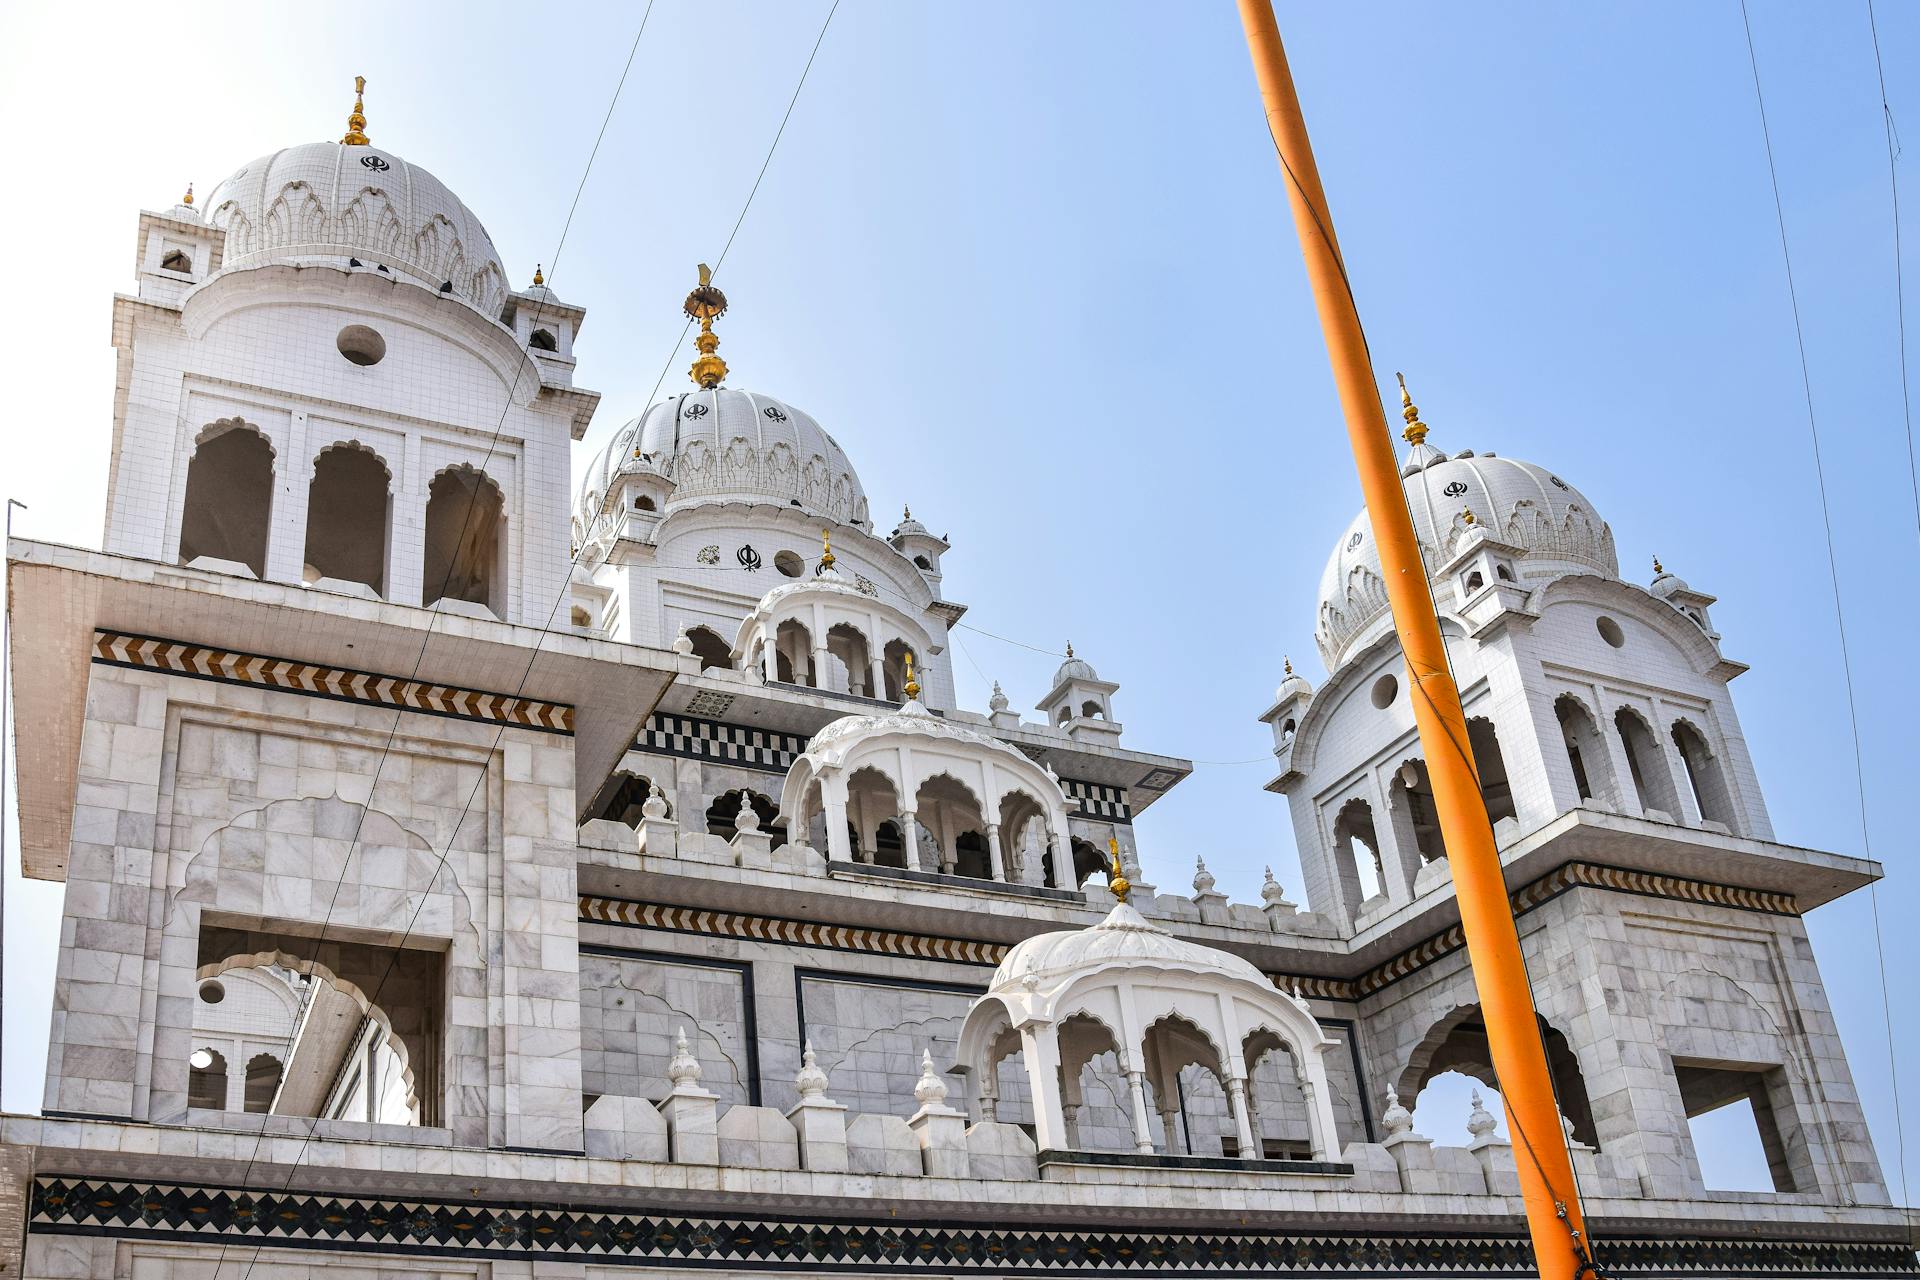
point(177, 251)
point(1080, 703)
point(546, 328)
point(912, 540)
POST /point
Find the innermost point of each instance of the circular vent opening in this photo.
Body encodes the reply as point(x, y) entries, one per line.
point(790, 563)
point(361, 345)
point(1610, 631)
point(212, 993)
point(1385, 690)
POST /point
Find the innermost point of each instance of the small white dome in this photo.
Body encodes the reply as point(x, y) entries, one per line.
point(327, 202)
point(1125, 937)
point(728, 445)
point(1558, 530)
point(1074, 669)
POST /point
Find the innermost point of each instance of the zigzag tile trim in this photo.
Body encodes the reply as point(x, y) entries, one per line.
point(1098, 801)
point(229, 666)
point(283, 1219)
point(1573, 876)
point(804, 933)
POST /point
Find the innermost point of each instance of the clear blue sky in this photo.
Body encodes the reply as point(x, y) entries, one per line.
point(1032, 266)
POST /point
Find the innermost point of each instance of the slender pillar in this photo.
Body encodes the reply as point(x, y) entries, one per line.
point(910, 836)
point(1242, 1124)
point(770, 656)
point(1042, 1052)
point(1554, 1218)
point(996, 861)
point(877, 676)
point(1142, 1125)
point(822, 672)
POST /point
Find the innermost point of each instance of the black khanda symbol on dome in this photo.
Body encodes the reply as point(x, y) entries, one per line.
point(749, 559)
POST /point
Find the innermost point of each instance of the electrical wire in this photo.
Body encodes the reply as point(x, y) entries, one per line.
point(1826, 516)
point(547, 625)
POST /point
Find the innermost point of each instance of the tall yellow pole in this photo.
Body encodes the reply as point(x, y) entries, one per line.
point(1486, 916)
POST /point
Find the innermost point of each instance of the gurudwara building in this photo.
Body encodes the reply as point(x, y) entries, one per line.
point(469, 874)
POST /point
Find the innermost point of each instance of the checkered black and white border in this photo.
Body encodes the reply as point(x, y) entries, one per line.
point(1098, 802)
point(695, 739)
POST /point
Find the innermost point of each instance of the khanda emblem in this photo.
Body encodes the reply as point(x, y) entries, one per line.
point(749, 558)
point(1455, 489)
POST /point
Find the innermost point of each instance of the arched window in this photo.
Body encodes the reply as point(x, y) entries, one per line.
point(1458, 1042)
point(1704, 775)
point(207, 1080)
point(849, 666)
point(466, 524)
point(944, 807)
point(970, 856)
point(542, 340)
point(923, 563)
point(793, 654)
point(628, 792)
point(1066, 714)
point(1475, 582)
point(1090, 709)
point(347, 506)
point(1652, 780)
point(263, 1082)
point(579, 617)
point(723, 813)
point(1356, 853)
point(710, 648)
point(1586, 750)
point(889, 849)
point(1503, 573)
point(644, 503)
point(1416, 819)
point(893, 668)
point(229, 498)
point(1495, 791)
point(177, 260)
point(1087, 861)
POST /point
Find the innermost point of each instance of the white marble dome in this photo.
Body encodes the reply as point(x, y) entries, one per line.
point(725, 445)
point(1558, 531)
point(1124, 938)
point(327, 202)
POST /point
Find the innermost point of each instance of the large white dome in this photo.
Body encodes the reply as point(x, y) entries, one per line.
point(1124, 938)
point(327, 202)
point(1557, 529)
point(721, 444)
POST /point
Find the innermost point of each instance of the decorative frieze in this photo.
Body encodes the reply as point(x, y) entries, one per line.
point(230, 666)
point(693, 738)
point(393, 1226)
point(1097, 801)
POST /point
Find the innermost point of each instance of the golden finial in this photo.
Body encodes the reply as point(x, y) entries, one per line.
point(1466, 516)
point(187, 199)
point(1118, 881)
point(1658, 568)
point(826, 549)
point(538, 279)
point(706, 304)
point(1288, 664)
point(1069, 648)
point(906, 513)
point(357, 122)
point(1416, 431)
point(912, 687)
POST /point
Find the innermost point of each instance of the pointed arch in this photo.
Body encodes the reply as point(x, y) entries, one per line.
point(229, 496)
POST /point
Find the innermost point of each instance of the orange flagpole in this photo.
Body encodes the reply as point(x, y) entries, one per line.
point(1486, 916)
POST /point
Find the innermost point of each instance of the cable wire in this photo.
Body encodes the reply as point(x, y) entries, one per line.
point(1826, 516)
point(547, 625)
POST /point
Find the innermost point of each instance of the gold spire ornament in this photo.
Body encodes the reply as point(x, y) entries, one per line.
point(1416, 432)
point(826, 549)
point(187, 199)
point(1069, 648)
point(1117, 883)
point(706, 304)
point(1466, 516)
point(1288, 664)
point(357, 121)
point(538, 279)
point(1658, 568)
point(912, 687)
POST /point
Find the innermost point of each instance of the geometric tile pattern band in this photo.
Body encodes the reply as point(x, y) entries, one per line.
point(390, 1226)
point(890, 942)
point(1097, 801)
point(228, 666)
point(694, 738)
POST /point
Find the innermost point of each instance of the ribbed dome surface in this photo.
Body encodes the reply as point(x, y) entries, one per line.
point(723, 444)
point(325, 202)
point(1516, 502)
point(1125, 937)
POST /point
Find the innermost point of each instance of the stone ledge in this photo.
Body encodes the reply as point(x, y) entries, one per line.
point(1064, 1160)
point(859, 870)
